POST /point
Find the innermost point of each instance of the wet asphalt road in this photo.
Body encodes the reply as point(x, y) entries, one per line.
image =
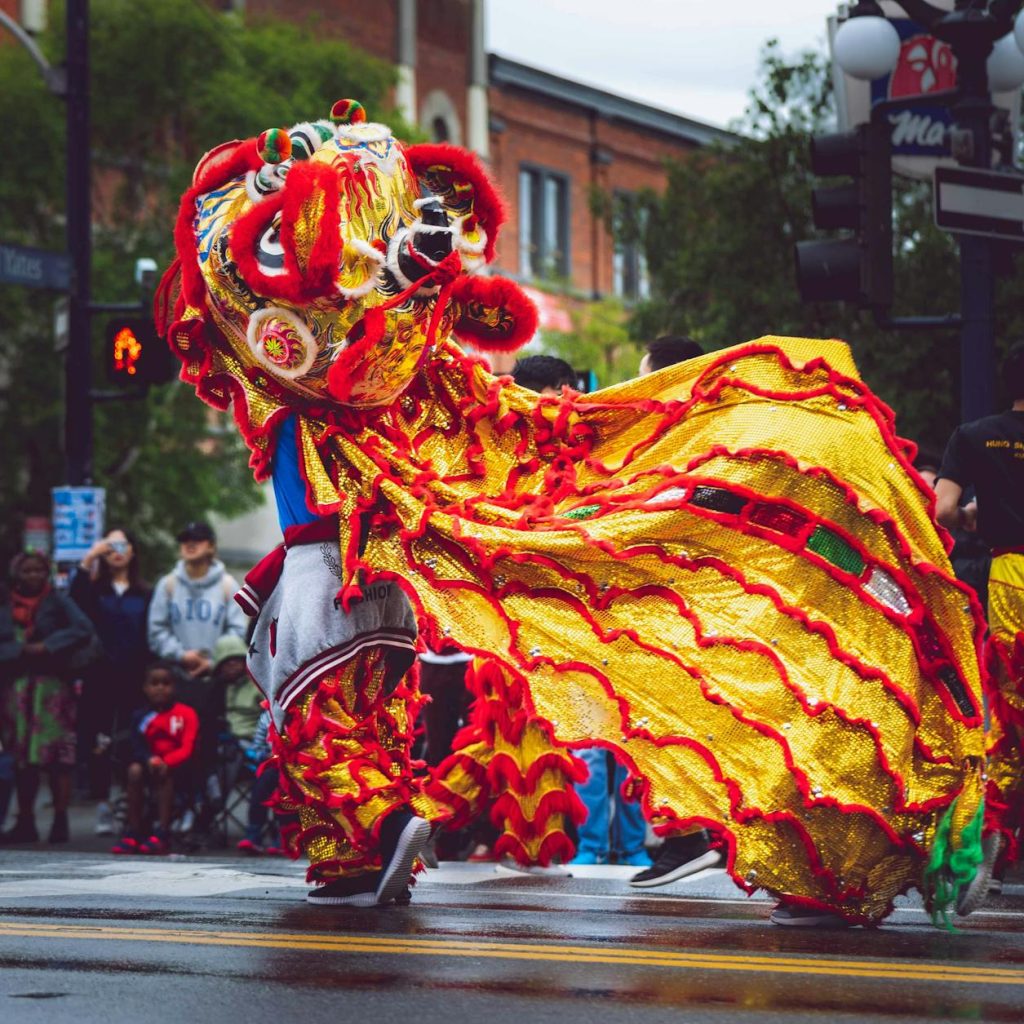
point(87, 937)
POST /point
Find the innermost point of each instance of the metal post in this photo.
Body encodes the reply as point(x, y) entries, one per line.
point(78, 363)
point(977, 279)
point(972, 38)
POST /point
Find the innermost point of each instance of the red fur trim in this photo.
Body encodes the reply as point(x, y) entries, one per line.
point(465, 167)
point(469, 293)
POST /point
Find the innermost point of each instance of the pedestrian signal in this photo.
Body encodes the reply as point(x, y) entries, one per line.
point(135, 355)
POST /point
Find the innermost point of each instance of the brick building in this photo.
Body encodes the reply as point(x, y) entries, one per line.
point(550, 141)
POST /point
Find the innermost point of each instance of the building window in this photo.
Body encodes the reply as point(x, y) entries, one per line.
point(439, 130)
point(630, 279)
point(543, 224)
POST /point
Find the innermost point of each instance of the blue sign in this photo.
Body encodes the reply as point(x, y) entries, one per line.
point(34, 268)
point(78, 514)
point(925, 65)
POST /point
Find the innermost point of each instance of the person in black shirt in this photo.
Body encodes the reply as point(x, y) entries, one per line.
point(988, 454)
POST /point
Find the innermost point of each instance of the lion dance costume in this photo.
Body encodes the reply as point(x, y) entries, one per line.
point(725, 573)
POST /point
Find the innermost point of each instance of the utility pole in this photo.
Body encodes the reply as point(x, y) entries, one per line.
point(78, 437)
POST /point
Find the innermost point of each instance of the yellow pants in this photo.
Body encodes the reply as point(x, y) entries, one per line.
point(1005, 791)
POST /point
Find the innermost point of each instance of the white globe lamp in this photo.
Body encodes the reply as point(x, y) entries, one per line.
point(866, 47)
point(1005, 64)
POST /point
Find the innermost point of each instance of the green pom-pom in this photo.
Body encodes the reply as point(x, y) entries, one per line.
point(348, 112)
point(274, 146)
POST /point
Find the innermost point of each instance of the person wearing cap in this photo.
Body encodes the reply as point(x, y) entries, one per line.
point(193, 605)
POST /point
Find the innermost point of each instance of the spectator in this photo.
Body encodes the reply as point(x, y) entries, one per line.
point(263, 788)
point(988, 455)
point(163, 738)
point(40, 633)
point(107, 586)
point(668, 350)
point(546, 375)
point(242, 700)
point(193, 605)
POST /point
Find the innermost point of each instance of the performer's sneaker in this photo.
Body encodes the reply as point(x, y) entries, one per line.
point(974, 894)
point(402, 836)
point(250, 849)
point(791, 915)
point(355, 891)
point(679, 856)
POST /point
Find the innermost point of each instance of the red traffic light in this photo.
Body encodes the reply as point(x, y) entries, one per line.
point(126, 351)
point(135, 355)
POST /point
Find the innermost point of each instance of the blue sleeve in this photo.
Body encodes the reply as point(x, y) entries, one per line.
point(289, 487)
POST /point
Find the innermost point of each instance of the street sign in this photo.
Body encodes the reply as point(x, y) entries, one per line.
point(78, 514)
point(34, 268)
point(975, 202)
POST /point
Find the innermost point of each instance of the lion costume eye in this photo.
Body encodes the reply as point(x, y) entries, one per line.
point(270, 251)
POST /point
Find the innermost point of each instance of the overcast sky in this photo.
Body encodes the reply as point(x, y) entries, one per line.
point(695, 57)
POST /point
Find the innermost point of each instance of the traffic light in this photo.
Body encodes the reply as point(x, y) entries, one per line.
point(136, 356)
point(857, 269)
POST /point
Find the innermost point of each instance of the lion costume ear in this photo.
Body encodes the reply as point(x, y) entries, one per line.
point(461, 185)
point(492, 314)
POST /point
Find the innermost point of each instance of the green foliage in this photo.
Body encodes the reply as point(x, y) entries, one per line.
point(170, 79)
point(719, 244)
point(599, 341)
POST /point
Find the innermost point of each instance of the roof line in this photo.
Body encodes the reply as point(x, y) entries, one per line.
point(504, 71)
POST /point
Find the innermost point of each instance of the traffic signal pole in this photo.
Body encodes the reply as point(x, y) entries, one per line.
point(78, 436)
point(972, 147)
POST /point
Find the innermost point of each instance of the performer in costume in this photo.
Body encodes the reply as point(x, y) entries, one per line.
point(726, 573)
point(988, 455)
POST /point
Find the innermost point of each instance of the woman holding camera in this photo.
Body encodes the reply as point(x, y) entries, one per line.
point(108, 587)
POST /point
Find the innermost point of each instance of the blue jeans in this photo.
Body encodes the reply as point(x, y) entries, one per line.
point(627, 833)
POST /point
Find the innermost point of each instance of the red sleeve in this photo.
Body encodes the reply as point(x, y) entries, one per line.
point(187, 744)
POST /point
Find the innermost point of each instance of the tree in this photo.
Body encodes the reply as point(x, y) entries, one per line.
point(719, 246)
point(170, 79)
point(599, 341)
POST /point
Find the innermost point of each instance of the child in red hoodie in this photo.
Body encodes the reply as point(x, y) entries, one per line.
point(163, 739)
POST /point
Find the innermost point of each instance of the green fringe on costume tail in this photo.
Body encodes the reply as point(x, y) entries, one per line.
point(952, 865)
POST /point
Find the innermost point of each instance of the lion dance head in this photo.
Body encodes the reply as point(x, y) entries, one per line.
point(319, 265)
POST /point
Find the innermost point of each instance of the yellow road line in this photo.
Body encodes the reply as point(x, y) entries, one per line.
point(529, 951)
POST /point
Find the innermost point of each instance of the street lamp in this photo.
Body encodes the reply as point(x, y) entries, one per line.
point(988, 44)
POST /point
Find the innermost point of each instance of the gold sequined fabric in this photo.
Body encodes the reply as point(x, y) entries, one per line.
point(504, 761)
point(1005, 789)
point(727, 571)
point(344, 758)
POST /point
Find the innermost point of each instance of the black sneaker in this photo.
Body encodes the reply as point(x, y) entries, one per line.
point(404, 898)
point(791, 915)
point(679, 856)
point(402, 836)
point(59, 831)
point(356, 891)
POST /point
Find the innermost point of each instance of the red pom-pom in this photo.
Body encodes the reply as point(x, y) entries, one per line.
point(476, 297)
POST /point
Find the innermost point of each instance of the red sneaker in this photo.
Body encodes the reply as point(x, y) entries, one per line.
point(126, 844)
point(155, 844)
point(247, 846)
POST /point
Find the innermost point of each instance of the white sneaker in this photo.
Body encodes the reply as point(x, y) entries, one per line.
point(513, 867)
point(104, 820)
